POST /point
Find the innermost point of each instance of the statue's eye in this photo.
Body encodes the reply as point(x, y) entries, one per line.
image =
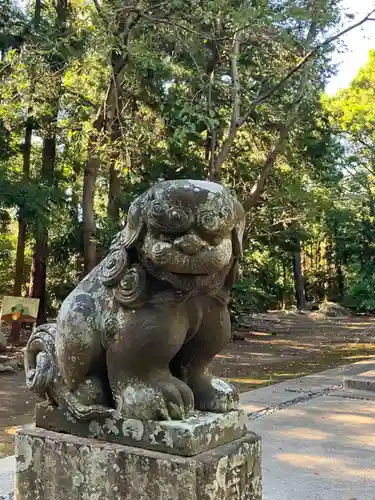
point(215, 221)
point(169, 219)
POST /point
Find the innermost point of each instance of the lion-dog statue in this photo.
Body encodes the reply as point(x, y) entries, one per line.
point(136, 336)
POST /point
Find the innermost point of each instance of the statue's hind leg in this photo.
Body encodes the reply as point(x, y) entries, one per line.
point(191, 362)
point(138, 364)
point(80, 356)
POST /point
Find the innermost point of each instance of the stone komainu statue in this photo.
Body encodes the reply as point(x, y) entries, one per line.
point(137, 334)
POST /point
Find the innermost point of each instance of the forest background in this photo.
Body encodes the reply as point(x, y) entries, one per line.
point(100, 99)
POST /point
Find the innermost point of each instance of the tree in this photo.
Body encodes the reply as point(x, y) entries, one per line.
point(120, 95)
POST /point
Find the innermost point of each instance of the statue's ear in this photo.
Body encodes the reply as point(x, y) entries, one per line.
point(117, 261)
point(135, 224)
point(237, 238)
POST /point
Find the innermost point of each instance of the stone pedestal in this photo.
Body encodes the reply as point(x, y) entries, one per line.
point(56, 466)
point(199, 433)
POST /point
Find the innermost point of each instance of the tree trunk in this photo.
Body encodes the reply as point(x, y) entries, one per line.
point(89, 225)
point(18, 282)
point(339, 279)
point(38, 275)
point(22, 227)
point(285, 286)
point(39, 265)
point(213, 174)
point(283, 137)
point(297, 273)
point(21, 239)
point(339, 275)
point(114, 189)
point(269, 164)
point(20, 257)
point(115, 104)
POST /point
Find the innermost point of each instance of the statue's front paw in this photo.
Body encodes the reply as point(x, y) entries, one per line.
point(213, 394)
point(160, 398)
point(178, 397)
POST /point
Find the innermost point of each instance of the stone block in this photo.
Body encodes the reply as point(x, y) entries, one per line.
point(353, 394)
point(189, 437)
point(55, 466)
point(363, 382)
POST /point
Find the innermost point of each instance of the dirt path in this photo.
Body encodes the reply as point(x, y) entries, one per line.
point(276, 347)
point(280, 346)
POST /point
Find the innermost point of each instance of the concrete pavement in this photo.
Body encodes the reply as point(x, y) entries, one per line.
point(6, 477)
point(318, 438)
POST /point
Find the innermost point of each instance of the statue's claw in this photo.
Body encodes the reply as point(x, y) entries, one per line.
point(213, 394)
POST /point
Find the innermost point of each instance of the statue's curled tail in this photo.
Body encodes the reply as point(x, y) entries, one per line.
point(43, 378)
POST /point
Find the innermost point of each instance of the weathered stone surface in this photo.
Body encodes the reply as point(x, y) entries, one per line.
point(363, 382)
point(188, 437)
point(139, 331)
point(53, 466)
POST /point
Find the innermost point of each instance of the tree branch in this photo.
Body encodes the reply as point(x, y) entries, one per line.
point(228, 142)
point(97, 6)
point(260, 183)
point(236, 87)
point(302, 63)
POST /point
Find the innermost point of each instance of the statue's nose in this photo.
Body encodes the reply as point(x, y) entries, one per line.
point(189, 244)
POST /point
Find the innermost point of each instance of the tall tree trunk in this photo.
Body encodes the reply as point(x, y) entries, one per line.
point(19, 277)
point(285, 285)
point(20, 256)
point(371, 204)
point(21, 238)
point(297, 273)
point(330, 292)
point(22, 226)
point(38, 273)
point(339, 275)
point(89, 225)
point(339, 279)
point(269, 164)
point(114, 188)
point(213, 174)
point(115, 101)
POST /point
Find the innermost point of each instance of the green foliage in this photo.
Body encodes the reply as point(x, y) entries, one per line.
point(359, 293)
point(248, 299)
point(179, 82)
point(6, 268)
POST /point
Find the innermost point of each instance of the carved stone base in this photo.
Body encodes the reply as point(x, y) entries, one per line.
point(54, 466)
point(187, 438)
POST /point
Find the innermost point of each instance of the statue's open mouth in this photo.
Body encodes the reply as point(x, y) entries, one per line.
point(207, 261)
